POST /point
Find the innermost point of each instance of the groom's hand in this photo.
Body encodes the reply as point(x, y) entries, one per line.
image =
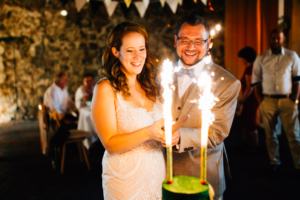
point(175, 139)
point(179, 122)
point(176, 132)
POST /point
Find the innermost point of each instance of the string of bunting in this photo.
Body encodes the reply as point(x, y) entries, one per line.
point(140, 5)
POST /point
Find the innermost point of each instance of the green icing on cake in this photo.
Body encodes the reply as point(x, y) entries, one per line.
point(185, 187)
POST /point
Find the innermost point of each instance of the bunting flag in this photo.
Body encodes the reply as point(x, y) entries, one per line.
point(173, 5)
point(107, 2)
point(79, 4)
point(146, 3)
point(140, 6)
point(111, 7)
point(127, 2)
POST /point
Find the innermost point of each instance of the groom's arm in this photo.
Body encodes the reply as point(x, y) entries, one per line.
point(224, 112)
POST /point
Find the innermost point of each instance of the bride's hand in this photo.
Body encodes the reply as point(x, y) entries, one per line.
point(155, 131)
point(176, 132)
point(175, 139)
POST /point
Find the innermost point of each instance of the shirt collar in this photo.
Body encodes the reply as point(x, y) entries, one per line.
point(56, 87)
point(197, 67)
point(282, 51)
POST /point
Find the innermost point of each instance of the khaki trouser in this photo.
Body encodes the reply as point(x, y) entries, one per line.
point(288, 112)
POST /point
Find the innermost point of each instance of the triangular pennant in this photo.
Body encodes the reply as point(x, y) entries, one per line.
point(79, 4)
point(173, 5)
point(146, 3)
point(204, 2)
point(140, 6)
point(111, 7)
point(180, 2)
point(162, 3)
point(107, 2)
point(127, 2)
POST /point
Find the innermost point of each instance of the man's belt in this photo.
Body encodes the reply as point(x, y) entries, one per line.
point(277, 96)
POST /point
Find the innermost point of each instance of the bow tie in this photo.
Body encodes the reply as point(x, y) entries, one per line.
point(190, 72)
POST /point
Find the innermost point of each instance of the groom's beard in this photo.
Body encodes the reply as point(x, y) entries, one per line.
point(194, 63)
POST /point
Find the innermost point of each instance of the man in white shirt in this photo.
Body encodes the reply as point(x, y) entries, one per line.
point(57, 96)
point(275, 77)
point(192, 42)
point(85, 92)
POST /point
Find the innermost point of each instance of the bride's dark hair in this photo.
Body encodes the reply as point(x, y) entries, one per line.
point(111, 68)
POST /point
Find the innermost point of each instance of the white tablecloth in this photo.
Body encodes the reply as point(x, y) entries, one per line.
point(85, 122)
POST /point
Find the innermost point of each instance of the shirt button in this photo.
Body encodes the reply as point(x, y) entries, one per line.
point(179, 108)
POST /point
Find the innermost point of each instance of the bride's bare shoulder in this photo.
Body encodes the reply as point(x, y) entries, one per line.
point(104, 87)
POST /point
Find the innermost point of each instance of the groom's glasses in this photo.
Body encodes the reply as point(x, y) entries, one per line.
point(185, 42)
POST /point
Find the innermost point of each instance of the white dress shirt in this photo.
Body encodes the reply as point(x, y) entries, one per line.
point(276, 72)
point(80, 93)
point(185, 81)
point(58, 99)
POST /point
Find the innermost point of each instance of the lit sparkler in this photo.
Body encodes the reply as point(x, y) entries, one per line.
point(206, 102)
point(166, 83)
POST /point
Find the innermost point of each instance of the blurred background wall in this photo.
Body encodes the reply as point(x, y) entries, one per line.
point(36, 41)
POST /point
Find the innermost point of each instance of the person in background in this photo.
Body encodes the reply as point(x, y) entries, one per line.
point(248, 102)
point(57, 96)
point(275, 78)
point(84, 93)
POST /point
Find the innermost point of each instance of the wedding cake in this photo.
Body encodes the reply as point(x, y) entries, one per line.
point(185, 187)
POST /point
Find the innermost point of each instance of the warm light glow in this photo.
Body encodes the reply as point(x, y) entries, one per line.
point(40, 107)
point(212, 32)
point(218, 27)
point(64, 13)
point(211, 45)
point(157, 60)
point(222, 78)
point(169, 25)
point(177, 68)
point(207, 59)
point(166, 82)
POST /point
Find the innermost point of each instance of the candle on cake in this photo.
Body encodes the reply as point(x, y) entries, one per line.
point(187, 187)
point(206, 102)
point(166, 83)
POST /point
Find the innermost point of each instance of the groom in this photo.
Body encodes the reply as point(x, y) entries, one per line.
point(192, 42)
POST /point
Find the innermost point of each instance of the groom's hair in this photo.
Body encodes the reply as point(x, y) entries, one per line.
point(193, 20)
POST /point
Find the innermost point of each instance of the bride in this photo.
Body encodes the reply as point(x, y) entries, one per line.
point(128, 117)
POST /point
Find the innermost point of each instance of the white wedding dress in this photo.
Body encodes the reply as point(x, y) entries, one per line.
point(137, 173)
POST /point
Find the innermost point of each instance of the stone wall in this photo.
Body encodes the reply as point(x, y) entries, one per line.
point(37, 42)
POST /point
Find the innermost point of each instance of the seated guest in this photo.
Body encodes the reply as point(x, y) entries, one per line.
point(57, 97)
point(85, 92)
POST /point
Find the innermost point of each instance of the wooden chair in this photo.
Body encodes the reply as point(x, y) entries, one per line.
point(76, 136)
point(44, 129)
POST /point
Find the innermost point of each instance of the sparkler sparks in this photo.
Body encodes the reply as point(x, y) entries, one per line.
point(166, 83)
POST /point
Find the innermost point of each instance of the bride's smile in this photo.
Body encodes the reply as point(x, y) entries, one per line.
point(132, 53)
